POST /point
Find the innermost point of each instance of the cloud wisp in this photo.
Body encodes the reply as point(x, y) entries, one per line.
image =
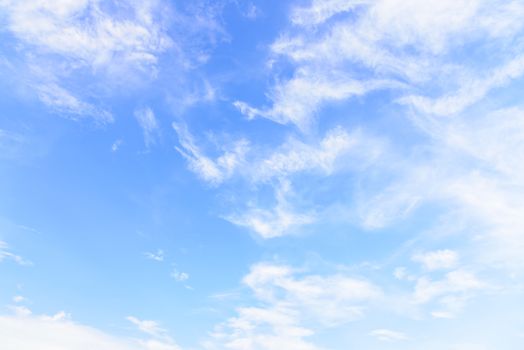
point(291, 304)
point(29, 331)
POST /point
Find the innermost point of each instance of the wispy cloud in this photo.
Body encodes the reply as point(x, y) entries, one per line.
point(388, 335)
point(74, 38)
point(471, 161)
point(289, 298)
point(471, 90)
point(156, 256)
point(337, 151)
point(296, 100)
point(6, 254)
point(275, 221)
point(321, 10)
point(149, 124)
point(116, 145)
point(436, 260)
point(150, 327)
point(99, 40)
point(251, 11)
point(74, 56)
point(376, 45)
point(63, 102)
point(215, 171)
point(18, 299)
point(442, 151)
point(28, 331)
point(179, 276)
point(455, 282)
point(322, 157)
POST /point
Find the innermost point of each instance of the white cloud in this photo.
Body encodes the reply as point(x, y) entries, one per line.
point(75, 55)
point(321, 10)
point(288, 300)
point(488, 193)
point(469, 346)
point(62, 101)
point(116, 145)
point(388, 335)
point(337, 150)
point(20, 311)
point(179, 276)
point(6, 254)
point(470, 91)
point(440, 295)
point(261, 329)
point(327, 299)
point(214, 171)
point(57, 332)
point(149, 124)
point(154, 344)
point(62, 40)
point(292, 157)
point(252, 11)
point(150, 327)
point(59, 316)
point(296, 100)
point(474, 168)
point(401, 274)
point(157, 256)
point(467, 166)
point(271, 223)
point(457, 282)
point(18, 299)
point(54, 27)
point(405, 46)
point(323, 157)
point(389, 44)
point(380, 210)
point(437, 260)
point(443, 314)
point(274, 222)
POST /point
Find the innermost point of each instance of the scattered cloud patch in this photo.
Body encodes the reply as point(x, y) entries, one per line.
point(84, 37)
point(59, 332)
point(214, 171)
point(274, 222)
point(149, 124)
point(6, 254)
point(319, 11)
point(402, 274)
point(97, 40)
point(338, 150)
point(20, 311)
point(18, 299)
point(149, 327)
point(156, 256)
point(251, 11)
point(324, 157)
point(388, 335)
point(455, 283)
point(116, 145)
point(437, 260)
point(179, 276)
point(297, 100)
point(289, 298)
point(64, 102)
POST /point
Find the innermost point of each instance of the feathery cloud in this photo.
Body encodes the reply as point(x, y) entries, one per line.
point(149, 124)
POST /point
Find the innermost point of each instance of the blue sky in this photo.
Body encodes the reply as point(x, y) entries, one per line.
point(253, 175)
